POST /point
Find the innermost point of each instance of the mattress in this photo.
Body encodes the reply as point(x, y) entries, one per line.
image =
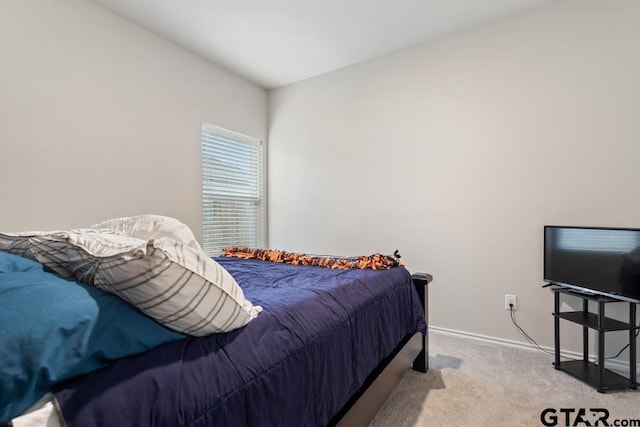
point(320, 334)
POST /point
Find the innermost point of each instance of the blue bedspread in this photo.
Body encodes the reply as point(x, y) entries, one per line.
point(52, 329)
point(320, 334)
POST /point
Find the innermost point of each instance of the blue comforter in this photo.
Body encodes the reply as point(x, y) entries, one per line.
point(321, 332)
point(52, 329)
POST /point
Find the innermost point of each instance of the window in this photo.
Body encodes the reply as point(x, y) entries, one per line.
point(597, 240)
point(232, 190)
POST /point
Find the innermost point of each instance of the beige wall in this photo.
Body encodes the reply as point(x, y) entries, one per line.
point(101, 118)
point(458, 151)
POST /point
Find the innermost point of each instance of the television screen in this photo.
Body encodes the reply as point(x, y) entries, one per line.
point(599, 260)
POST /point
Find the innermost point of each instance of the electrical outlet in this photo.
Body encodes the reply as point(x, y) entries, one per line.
point(510, 300)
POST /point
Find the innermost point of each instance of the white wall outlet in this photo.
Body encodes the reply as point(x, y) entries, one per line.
point(510, 300)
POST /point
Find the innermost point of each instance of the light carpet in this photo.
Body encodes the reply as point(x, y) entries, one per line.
point(476, 383)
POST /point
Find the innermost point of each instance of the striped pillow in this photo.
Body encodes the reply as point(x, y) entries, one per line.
point(18, 243)
point(175, 284)
point(78, 252)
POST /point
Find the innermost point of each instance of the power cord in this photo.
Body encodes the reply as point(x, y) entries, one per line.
point(522, 332)
point(623, 348)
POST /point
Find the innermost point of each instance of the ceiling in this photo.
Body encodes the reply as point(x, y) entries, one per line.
point(277, 42)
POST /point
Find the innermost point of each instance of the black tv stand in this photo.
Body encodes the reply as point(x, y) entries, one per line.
point(595, 374)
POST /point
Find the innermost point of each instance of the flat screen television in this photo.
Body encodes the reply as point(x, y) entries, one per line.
point(594, 259)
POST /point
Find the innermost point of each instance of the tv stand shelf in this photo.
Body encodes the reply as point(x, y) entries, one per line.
point(590, 320)
point(595, 374)
point(588, 372)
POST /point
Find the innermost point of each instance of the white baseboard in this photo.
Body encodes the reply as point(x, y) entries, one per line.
point(619, 366)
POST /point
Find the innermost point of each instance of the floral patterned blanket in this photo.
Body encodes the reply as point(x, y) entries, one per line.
point(374, 262)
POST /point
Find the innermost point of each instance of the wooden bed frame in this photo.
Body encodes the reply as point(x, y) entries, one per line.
point(412, 352)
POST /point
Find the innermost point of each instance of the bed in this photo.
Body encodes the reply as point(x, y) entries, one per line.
point(327, 349)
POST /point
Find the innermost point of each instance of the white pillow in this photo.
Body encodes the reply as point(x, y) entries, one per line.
point(147, 227)
point(175, 284)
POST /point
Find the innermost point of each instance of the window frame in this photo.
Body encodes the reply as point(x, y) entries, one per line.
point(262, 198)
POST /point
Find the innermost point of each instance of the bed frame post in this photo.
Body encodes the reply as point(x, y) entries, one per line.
point(421, 282)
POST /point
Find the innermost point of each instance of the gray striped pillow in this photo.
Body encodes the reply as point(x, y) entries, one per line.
point(78, 252)
point(175, 284)
point(18, 243)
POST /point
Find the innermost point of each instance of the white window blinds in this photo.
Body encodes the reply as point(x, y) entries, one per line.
point(597, 240)
point(232, 190)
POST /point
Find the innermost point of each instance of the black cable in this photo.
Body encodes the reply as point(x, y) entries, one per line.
point(623, 348)
point(626, 346)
